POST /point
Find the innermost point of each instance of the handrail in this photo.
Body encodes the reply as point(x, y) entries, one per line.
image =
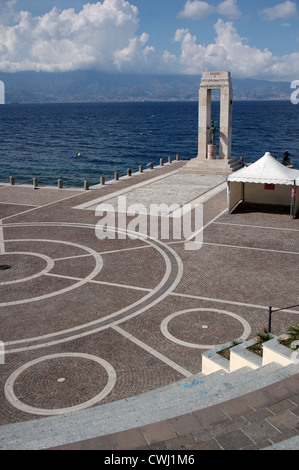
point(277, 310)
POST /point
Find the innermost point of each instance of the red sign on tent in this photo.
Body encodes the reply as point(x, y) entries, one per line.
point(270, 187)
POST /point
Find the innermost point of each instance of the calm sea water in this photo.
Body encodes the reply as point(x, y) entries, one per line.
point(43, 140)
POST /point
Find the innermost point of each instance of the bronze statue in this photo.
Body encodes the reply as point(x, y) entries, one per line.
point(212, 129)
point(286, 158)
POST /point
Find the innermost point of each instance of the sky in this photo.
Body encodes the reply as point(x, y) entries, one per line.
point(250, 38)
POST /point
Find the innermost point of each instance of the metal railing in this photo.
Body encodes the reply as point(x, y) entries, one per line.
point(271, 310)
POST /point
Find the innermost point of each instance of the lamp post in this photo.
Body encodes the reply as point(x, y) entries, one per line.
point(277, 310)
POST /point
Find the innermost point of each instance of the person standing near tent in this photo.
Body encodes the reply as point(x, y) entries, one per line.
point(286, 158)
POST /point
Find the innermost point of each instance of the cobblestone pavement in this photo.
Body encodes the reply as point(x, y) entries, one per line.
point(88, 321)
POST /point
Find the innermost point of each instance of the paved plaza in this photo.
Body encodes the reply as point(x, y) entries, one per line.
point(87, 322)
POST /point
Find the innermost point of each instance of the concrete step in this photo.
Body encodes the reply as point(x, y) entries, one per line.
point(274, 351)
point(206, 166)
point(241, 355)
point(176, 399)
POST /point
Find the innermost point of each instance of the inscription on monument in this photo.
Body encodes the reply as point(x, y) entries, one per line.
point(215, 80)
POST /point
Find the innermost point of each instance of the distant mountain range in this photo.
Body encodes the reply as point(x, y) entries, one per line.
point(92, 86)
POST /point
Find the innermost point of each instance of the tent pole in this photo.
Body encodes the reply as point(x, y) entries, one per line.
point(293, 201)
point(228, 197)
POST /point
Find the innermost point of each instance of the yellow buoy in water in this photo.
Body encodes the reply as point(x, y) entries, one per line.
point(79, 154)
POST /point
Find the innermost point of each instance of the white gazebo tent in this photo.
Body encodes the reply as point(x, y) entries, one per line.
point(266, 181)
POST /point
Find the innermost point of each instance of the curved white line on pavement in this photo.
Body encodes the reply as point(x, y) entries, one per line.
point(49, 261)
point(97, 269)
point(11, 397)
point(165, 322)
point(95, 326)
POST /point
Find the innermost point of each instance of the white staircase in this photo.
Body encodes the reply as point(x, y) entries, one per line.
point(241, 356)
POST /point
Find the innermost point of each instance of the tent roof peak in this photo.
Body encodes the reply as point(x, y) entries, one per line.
point(266, 170)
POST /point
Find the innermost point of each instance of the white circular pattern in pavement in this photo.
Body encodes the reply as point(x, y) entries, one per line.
point(171, 278)
point(165, 322)
point(11, 397)
point(49, 262)
point(97, 269)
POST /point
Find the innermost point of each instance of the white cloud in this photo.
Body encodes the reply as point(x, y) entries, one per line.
point(231, 52)
point(196, 9)
point(287, 66)
point(229, 9)
point(7, 10)
point(105, 36)
point(283, 10)
point(142, 59)
point(228, 52)
point(101, 36)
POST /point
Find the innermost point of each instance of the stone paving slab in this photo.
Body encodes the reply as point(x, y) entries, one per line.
point(176, 189)
point(6, 210)
point(27, 195)
point(81, 429)
point(238, 424)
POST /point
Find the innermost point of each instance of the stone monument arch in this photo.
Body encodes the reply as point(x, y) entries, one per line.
point(213, 81)
point(207, 160)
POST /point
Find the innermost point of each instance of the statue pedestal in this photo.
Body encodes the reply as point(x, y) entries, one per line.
point(211, 152)
point(216, 166)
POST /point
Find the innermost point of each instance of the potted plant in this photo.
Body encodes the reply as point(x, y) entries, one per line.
point(262, 337)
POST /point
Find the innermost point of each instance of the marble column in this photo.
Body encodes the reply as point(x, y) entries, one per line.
point(225, 131)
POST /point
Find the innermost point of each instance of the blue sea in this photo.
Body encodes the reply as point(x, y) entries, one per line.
point(43, 140)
